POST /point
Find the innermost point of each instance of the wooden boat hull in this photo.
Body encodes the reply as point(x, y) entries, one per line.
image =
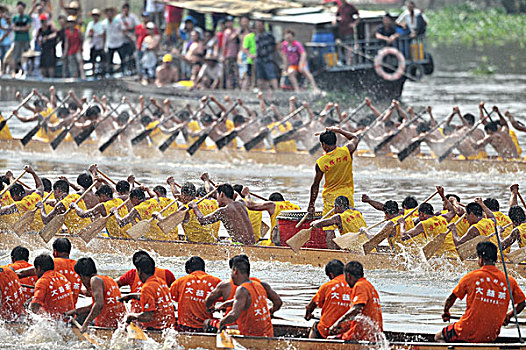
point(59, 83)
point(179, 154)
point(223, 251)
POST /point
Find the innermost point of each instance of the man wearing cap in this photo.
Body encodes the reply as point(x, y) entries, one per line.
point(210, 74)
point(97, 38)
point(114, 37)
point(73, 48)
point(140, 33)
point(47, 39)
point(166, 74)
point(21, 26)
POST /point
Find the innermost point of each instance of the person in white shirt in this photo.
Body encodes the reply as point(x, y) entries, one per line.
point(96, 34)
point(412, 20)
point(115, 37)
point(130, 21)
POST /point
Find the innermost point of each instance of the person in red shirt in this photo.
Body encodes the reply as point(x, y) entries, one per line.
point(365, 313)
point(131, 278)
point(347, 18)
point(53, 294)
point(73, 49)
point(189, 292)
point(11, 304)
point(249, 307)
point(334, 299)
point(20, 260)
point(174, 16)
point(488, 298)
point(106, 310)
point(157, 311)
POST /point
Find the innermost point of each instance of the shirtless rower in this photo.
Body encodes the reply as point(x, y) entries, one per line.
point(336, 166)
point(440, 140)
point(469, 148)
point(498, 136)
point(406, 132)
point(233, 214)
point(254, 215)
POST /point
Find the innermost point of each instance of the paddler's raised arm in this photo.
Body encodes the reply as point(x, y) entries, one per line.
point(206, 220)
point(268, 206)
point(353, 139)
point(514, 123)
point(373, 203)
point(514, 194)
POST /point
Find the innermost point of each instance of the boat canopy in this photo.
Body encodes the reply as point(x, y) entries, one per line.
point(235, 7)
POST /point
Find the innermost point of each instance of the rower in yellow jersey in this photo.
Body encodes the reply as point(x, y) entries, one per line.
point(501, 219)
point(255, 216)
point(63, 198)
point(143, 209)
point(164, 201)
point(5, 134)
point(479, 225)
point(518, 217)
point(107, 202)
point(336, 166)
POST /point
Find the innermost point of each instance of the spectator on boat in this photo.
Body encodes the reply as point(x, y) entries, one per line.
point(250, 310)
point(11, 302)
point(192, 56)
point(115, 38)
point(166, 74)
point(412, 20)
point(386, 32)
point(247, 52)
point(347, 18)
point(229, 53)
point(189, 292)
point(156, 309)
point(21, 27)
point(106, 310)
point(294, 58)
point(265, 65)
point(332, 308)
point(174, 16)
point(5, 35)
point(73, 47)
point(47, 39)
point(130, 22)
point(487, 301)
point(97, 37)
point(150, 46)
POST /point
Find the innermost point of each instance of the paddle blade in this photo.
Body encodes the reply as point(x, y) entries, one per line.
point(29, 136)
point(470, 247)
point(284, 137)
point(225, 140)
point(517, 256)
point(445, 155)
point(83, 336)
point(88, 233)
point(224, 341)
point(3, 123)
point(141, 136)
point(299, 239)
point(406, 152)
point(434, 245)
point(52, 227)
point(378, 238)
point(381, 145)
point(135, 332)
point(58, 140)
point(314, 149)
point(84, 134)
point(252, 143)
point(195, 146)
point(168, 141)
point(22, 225)
point(108, 143)
point(347, 241)
point(139, 229)
point(172, 221)
point(264, 229)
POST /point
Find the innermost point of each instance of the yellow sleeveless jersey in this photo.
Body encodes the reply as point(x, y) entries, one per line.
point(513, 136)
point(337, 168)
point(280, 206)
point(6, 199)
point(6, 221)
point(436, 225)
point(230, 126)
point(73, 222)
point(485, 227)
point(145, 210)
point(194, 127)
point(194, 231)
point(287, 146)
point(28, 203)
point(5, 134)
point(156, 135)
point(164, 202)
point(522, 235)
point(397, 238)
point(42, 133)
point(352, 221)
point(255, 219)
point(114, 230)
point(502, 220)
point(462, 226)
point(37, 223)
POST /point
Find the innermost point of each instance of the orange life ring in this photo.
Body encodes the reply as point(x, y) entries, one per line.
point(380, 68)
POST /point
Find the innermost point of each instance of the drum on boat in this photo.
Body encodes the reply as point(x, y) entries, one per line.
point(287, 221)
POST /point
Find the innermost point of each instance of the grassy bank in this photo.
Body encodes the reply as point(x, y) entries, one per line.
point(468, 24)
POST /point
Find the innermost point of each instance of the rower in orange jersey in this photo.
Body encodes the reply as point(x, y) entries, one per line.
point(226, 290)
point(334, 299)
point(106, 310)
point(131, 278)
point(479, 225)
point(19, 261)
point(156, 310)
point(365, 313)
point(53, 294)
point(190, 292)
point(249, 307)
point(11, 302)
point(487, 300)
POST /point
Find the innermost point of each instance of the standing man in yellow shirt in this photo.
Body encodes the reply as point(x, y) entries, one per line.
point(336, 166)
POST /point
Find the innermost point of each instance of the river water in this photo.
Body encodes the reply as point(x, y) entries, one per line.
point(411, 300)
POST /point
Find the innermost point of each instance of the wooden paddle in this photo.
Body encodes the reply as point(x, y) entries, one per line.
point(436, 243)
point(303, 220)
point(469, 248)
point(88, 233)
point(413, 146)
point(347, 240)
point(20, 105)
point(138, 230)
point(83, 336)
point(176, 218)
point(517, 256)
point(386, 231)
point(225, 140)
point(224, 340)
point(147, 132)
point(373, 124)
point(389, 138)
point(58, 221)
point(459, 141)
point(12, 183)
point(84, 134)
point(23, 224)
point(522, 200)
point(195, 146)
point(58, 140)
point(256, 140)
point(299, 239)
point(134, 332)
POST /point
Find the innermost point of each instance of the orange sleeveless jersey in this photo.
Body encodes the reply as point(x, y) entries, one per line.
point(66, 267)
point(30, 281)
point(113, 310)
point(255, 321)
point(53, 294)
point(189, 292)
point(155, 296)
point(12, 303)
